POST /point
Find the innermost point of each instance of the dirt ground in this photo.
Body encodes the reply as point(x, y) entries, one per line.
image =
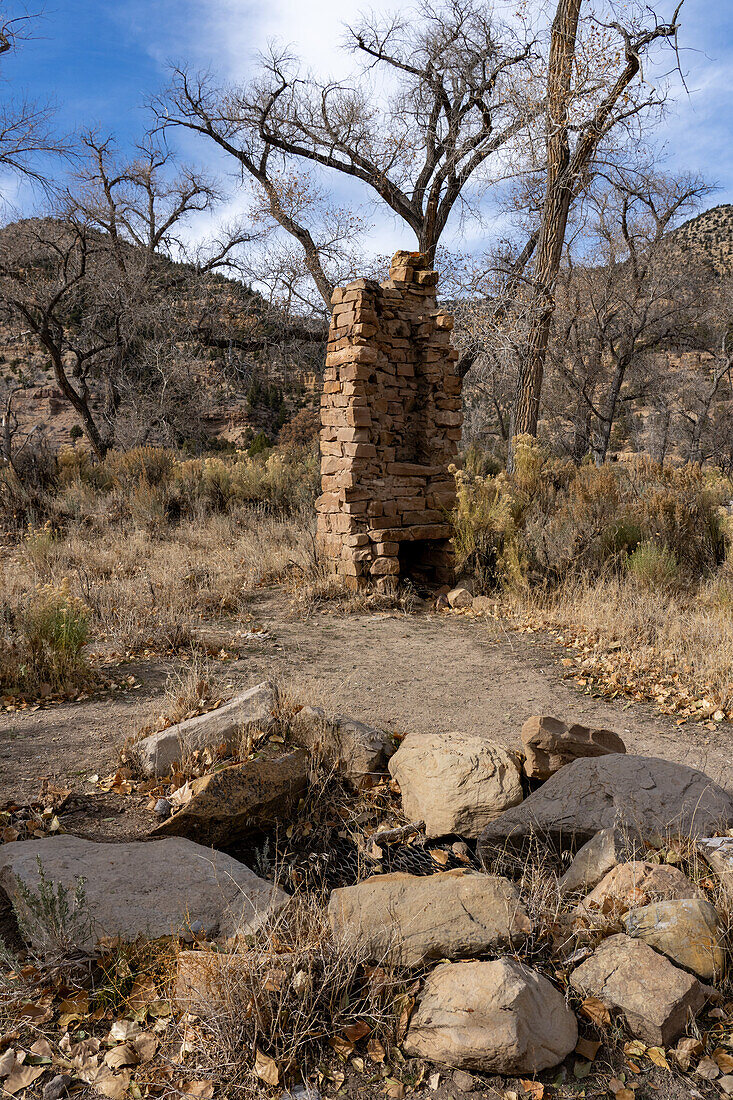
point(423, 671)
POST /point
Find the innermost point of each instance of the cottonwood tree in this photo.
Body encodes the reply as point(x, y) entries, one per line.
point(591, 93)
point(26, 125)
point(442, 96)
point(97, 286)
point(631, 298)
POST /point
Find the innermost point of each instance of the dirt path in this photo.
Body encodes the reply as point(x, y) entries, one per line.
point(422, 672)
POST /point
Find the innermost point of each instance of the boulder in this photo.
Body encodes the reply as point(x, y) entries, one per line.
point(687, 931)
point(158, 753)
point(406, 920)
point(351, 748)
point(240, 800)
point(717, 851)
point(549, 744)
point(600, 855)
point(160, 888)
point(643, 793)
point(460, 597)
point(635, 884)
point(495, 1017)
point(455, 782)
point(655, 997)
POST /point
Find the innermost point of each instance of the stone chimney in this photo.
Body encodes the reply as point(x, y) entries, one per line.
point(391, 421)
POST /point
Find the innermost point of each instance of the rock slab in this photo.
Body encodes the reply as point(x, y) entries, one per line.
point(718, 852)
point(455, 782)
point(351, 748)
point(549, 744)
point(495, 1017)
point(158, 753)
point(655, 997)
point(240, 800)
point(598, 856)
point(153, 889)
point(635, 884)
point(406, 920)
point(687, 931)
point(643, 793)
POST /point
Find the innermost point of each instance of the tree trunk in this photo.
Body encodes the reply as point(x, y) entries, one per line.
point(610, 415)
point(558, 196)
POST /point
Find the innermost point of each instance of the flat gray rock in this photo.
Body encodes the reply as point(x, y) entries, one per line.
point(150, 889)
point(642, 793)
point(158, 753)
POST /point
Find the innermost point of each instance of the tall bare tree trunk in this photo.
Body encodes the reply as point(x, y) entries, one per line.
point(558, 196)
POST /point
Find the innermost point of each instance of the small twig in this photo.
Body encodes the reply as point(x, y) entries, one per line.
point(390, 836)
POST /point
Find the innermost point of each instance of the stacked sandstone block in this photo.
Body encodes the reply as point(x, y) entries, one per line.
point(391, 421)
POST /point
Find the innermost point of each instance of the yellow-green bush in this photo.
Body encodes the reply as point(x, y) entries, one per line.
point(42, 641)
point(550, 519)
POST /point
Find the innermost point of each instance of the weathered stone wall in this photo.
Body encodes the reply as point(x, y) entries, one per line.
point(391, 421)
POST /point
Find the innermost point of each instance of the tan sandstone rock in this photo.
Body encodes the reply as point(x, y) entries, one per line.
point(496, 1017)
point(455, 782)
point(635, 884)
point(687, 931)
point(718, 852)
point(240, 800)
point(655, 997)
point(405, 920)
point(598, 856)
point(460, 597)
point(352, 748)
point(549, 744)
point(160, 751)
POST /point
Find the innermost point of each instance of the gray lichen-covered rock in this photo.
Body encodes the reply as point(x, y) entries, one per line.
point(687, 931)
point(136, 889)
point(549, 744)
point(496, 1017)
point(655, 997)
point(455, 782)
point(405, 920)
point(600, 855)
point(158, 753)
point(351, 748)
point(648, 795)
point(239, 800)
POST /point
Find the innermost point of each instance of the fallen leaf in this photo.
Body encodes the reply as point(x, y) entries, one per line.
point(657, 1055)
point(635, 1048)
point(122, 1055)
point(197, 1090)
point(685, 1051)
point(587, 1048)
point(434, 1082)
point(595, 1011)
point(394, 1088)
point(535, 1089)
point(122, 1030)
point(355, 1032)
point(42, 1048)
point(707, 1069)
point(21, 1077)
point(7, 1061)
point(582, 1069)
point(146, 1045)
point(375, 1050)
point(266, 1068)
point(723, 1060)
point(342, 1046)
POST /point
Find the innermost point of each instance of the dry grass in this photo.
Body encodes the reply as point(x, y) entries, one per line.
point(675, 649)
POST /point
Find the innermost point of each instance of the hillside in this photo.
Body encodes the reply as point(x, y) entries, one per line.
point(242, 365)
point(710, 233)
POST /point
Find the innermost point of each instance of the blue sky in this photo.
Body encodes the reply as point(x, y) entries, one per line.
point(98, 59)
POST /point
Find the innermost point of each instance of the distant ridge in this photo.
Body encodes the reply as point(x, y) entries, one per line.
point(710, 233)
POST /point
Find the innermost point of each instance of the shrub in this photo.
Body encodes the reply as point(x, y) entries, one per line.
point(42, 641)
point(653, 566)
